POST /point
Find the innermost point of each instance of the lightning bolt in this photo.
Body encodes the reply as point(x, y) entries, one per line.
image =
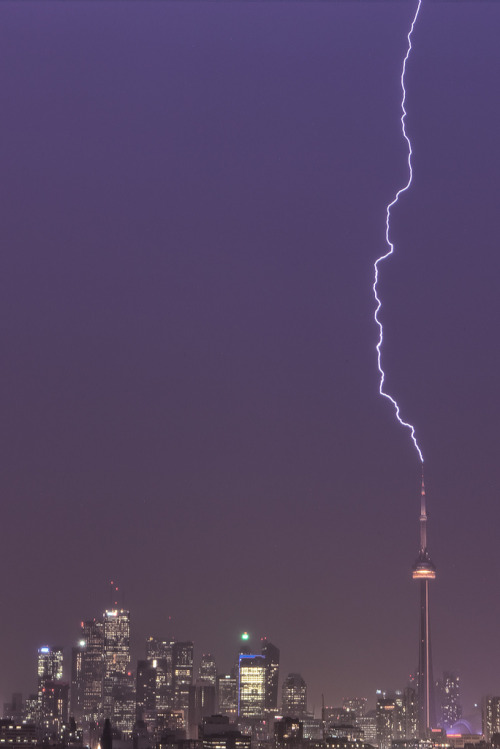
point(390, 246)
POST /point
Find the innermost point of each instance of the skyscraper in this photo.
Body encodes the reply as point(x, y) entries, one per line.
point(182, 672)
point(294, 696)
point(50, 673)
point(410, 713)
point(449, 699)
point(116, 653)
point(50, 667)
point(272, 656)
point(356, 705)
point(123, 706)
point(208, 670)
point(386, 720)
point(54, 707)
point(424, 571)
point(491, 717)
point(145, 690)
point(202, 704)
point(92, 669)
point(227, 694)
point(251, 686)
point(76, 692)
point(159, 655)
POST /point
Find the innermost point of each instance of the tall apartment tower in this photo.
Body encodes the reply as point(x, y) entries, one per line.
point(449, 700)
point(424, 571)
point(491, 717)
point(386, 721)
point(116, 653)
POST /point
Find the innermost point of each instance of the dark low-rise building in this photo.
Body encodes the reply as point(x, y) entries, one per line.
point(17, 735)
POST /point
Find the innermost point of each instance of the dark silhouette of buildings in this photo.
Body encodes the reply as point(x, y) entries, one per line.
point(107, 735)
point(272, 657)
point(145, 689)
point(216, 732)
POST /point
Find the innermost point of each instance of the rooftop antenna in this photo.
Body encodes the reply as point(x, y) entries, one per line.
point(113, 594)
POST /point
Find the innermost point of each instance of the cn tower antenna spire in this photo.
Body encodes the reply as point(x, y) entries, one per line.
point(423, 516)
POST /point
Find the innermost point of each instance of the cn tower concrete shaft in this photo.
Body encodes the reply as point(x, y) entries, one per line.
point(424, 571)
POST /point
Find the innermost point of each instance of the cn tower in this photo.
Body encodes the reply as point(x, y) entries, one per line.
point(424, 571)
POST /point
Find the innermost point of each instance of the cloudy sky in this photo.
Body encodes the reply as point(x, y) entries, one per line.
point(192, 198)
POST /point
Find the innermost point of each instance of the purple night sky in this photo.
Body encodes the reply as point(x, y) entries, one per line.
point(192, 199)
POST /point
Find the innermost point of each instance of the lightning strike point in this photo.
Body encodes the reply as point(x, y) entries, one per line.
point(390, 245)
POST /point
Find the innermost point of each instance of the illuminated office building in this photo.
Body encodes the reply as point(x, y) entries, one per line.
point(159, 655)
point(54, 713)
point(251, 686)
point(227, 695)
point(368, 724)
point(92, 669)
point(123, 704)
point(50, 667)
point(356, 705)
point(208, 670)
point(294, 696)
point(182, 675)
point(116, 653)
point(17, 736)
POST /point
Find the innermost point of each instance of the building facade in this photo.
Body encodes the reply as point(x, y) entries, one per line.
point(294, 696)
point(251, 686)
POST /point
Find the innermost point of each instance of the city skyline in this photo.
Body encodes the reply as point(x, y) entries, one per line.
point(193, 196)
point(103, 657)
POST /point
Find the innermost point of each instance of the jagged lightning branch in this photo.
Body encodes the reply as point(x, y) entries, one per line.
point(390, 244)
